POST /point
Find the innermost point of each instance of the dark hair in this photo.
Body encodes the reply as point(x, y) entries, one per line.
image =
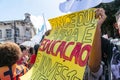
point(31, 50)
point(36, 48)
point(47, 32)
point(22, 47)
point(9, 53)
point(114, 20)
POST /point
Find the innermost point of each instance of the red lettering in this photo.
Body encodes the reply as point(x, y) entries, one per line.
point(85, 48)
point(47, 48)
point(77, 52)
point(64, 51)
point(61, 48)
point(44, 41)
point(52, 48)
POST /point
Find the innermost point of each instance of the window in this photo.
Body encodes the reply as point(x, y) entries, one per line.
point(0, 34)
point(17, 32)
point(8, 33)
point(27, 34)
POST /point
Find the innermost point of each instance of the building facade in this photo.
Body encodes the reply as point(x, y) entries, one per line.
point(17, 31)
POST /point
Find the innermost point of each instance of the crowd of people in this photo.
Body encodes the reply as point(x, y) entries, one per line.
point(16, 60)
point(103, 63)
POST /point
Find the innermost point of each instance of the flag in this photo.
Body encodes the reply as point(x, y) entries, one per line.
point(77, 5)
point(37, 22)
point(37, 38)
point(41, 27)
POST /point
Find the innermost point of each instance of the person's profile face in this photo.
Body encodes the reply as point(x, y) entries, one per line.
point(118, 24)
point(25, 52)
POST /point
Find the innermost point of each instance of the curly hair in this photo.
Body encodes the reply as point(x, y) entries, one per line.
point(9, 53)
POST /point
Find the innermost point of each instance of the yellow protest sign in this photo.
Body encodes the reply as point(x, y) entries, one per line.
point(64, 53)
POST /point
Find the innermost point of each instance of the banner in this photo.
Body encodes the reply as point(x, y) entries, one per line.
point(77, 5)
point(64, 53)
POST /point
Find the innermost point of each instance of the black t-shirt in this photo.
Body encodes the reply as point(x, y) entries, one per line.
point(107, 48)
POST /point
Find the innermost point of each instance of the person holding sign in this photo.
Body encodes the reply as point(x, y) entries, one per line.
point(94, 63)
point(9, 55)
point(100, 47)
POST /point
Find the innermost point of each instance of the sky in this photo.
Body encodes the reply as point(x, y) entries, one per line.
point(15, 9)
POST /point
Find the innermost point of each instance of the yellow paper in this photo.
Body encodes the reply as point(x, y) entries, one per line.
point(64, 53)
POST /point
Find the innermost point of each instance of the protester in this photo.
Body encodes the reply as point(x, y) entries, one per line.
point(9, 55)
point(33, 56)
point(24, 57)
point(110, 49)
point(103, 51)
point(115, 62)
point(95, 68)
point(117, 22)
point(30, 51)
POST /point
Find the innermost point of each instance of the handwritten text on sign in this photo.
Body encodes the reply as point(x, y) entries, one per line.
point(64, 53)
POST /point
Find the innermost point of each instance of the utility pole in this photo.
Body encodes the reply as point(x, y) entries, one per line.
point(15, 36)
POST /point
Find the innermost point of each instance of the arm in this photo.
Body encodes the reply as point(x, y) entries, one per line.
point(95, 56)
